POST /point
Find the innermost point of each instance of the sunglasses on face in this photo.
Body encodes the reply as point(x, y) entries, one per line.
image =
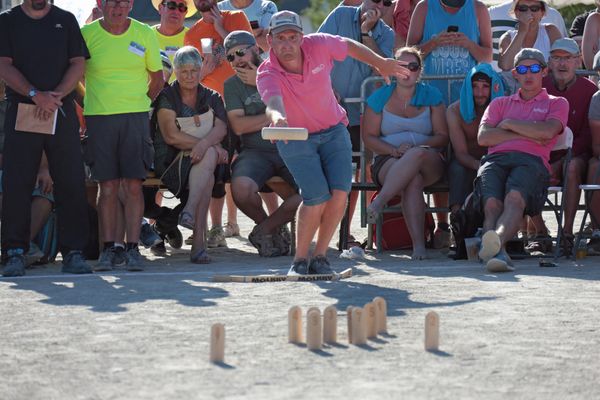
point(120, 3)
point(534, 68)
point(559, 59)
point(525, 8)
point(413, 66)
point(386, 3)
point(240, 53)
point(172, 5)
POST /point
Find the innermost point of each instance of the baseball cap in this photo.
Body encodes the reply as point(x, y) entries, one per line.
point(237, 38)
point(565, 44)
point(284, 20)
point(530, 54)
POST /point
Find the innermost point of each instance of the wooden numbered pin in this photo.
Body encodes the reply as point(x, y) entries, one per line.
point(314, 330)
point(359, 331)
point(217, 343)
point(330, 325)
point(380, 314)
point(295, 325)
point(432, 331)
point(349, 318)
point(370, 321)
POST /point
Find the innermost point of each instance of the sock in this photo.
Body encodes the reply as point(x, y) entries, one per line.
point(108, 245)
point(130, 245)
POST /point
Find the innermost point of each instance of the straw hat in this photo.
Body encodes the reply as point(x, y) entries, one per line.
point(190, 4)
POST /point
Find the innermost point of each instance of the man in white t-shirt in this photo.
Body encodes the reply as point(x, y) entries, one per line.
point(502, 22)
point(258, 12)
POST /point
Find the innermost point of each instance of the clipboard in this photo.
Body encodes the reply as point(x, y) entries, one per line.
point(27, 121)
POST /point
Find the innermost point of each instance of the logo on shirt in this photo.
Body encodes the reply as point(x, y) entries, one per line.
point(58, 26)
point(318, 69)
point(540, 110)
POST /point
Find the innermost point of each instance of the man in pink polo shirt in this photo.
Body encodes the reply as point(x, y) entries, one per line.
point(295, 85)
point(520, 131)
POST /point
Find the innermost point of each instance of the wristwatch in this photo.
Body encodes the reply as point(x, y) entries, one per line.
point(369, 34)
point(32, 93)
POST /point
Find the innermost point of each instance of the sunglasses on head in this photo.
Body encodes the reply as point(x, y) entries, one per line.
point(172, 5)
point(386, 3)
point(534, 68)
point(240, 53)
point(525, 8)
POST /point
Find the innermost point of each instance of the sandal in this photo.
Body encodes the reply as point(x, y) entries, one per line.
point(186, 220)
point(200, 257)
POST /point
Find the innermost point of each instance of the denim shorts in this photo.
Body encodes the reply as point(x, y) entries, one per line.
point(320, 164)
point(500, 173)
point(37, 192)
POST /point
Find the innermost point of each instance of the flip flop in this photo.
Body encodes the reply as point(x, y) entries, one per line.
point(186, 220)
point(200, 257)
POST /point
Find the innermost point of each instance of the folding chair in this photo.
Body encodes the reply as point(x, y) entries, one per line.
point(556, 204)
point(588, 192)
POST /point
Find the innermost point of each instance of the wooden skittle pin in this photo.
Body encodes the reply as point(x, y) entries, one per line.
point(217, 343)
point(370, 320)
point(380, 314)
point(359, 331)
point(314, 330)
point(330, 325)
point(432, 331)
point(295, 325)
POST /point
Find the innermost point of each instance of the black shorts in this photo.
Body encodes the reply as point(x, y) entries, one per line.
point(525, 173)
point(119, 146)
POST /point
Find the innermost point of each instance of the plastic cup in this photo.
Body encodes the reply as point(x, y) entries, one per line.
point(472, 245)
point(206, 45)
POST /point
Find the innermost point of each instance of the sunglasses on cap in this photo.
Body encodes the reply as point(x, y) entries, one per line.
point(172, 5)
point(240, 53)
point(525, 8)
point(534, 68)
point(386, 3)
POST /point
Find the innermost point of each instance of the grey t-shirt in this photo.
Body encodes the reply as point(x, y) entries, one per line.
point(594, 112)
point(239, 96)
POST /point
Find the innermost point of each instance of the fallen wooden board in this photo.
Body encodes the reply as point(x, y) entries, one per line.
point(347, 273)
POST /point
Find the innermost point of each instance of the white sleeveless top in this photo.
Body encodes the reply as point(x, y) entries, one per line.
point(542, 42)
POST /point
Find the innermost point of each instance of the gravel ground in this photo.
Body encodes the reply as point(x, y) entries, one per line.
point(529, 334)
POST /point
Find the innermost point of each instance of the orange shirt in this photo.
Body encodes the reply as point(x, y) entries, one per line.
point(232, 21)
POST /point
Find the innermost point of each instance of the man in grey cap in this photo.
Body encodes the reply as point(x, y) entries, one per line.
point(565, 58)
point(520, 131)
point(258, 160)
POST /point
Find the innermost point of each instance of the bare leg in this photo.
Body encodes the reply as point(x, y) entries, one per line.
point(231, 207)
point(271, 201)
point(331, 217)
point(120, 222)
point(245, 194)
point(216, 211)
point(203, 176)
point(593, 166)
point(198, 179)
point(510, 220)
point(413, 209)
point(134, 208)
point(441, 200)
point(107, 209)
point(492, 210)
point(40, 210)
point(309, 218)
point(574, 173)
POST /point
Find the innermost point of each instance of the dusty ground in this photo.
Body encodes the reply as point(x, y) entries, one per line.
point(529, 334)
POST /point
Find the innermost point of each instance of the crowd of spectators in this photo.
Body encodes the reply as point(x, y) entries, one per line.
point(124, 99)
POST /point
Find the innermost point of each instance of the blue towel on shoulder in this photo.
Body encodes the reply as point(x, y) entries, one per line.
point(425, 95)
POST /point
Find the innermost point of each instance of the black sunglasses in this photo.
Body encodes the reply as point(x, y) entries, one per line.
point(240, 53)
point(525, 8)
point(413, 66)
point(172, 5)
point(386, 3)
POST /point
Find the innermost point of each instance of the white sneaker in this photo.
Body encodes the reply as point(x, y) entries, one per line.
point(490, 245)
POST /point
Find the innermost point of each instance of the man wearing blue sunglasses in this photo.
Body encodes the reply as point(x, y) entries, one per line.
point(519, 131)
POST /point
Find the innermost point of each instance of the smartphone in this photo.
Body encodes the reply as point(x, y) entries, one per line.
point(254, 24)
point(452, 28)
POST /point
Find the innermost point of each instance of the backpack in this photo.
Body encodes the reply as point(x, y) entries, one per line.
point(394, 231)
point(464, 224)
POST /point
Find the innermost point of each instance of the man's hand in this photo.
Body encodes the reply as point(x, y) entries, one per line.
point(44, 181)
point(47, 103)
point(460, 39)
point(217, 18)
point(209, 64)
point(369, 19)
point(248, 76)
point(198, 151)
point(389, 67)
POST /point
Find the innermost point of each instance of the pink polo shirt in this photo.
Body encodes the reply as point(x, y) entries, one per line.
point(308, 98)
point(541, 108)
